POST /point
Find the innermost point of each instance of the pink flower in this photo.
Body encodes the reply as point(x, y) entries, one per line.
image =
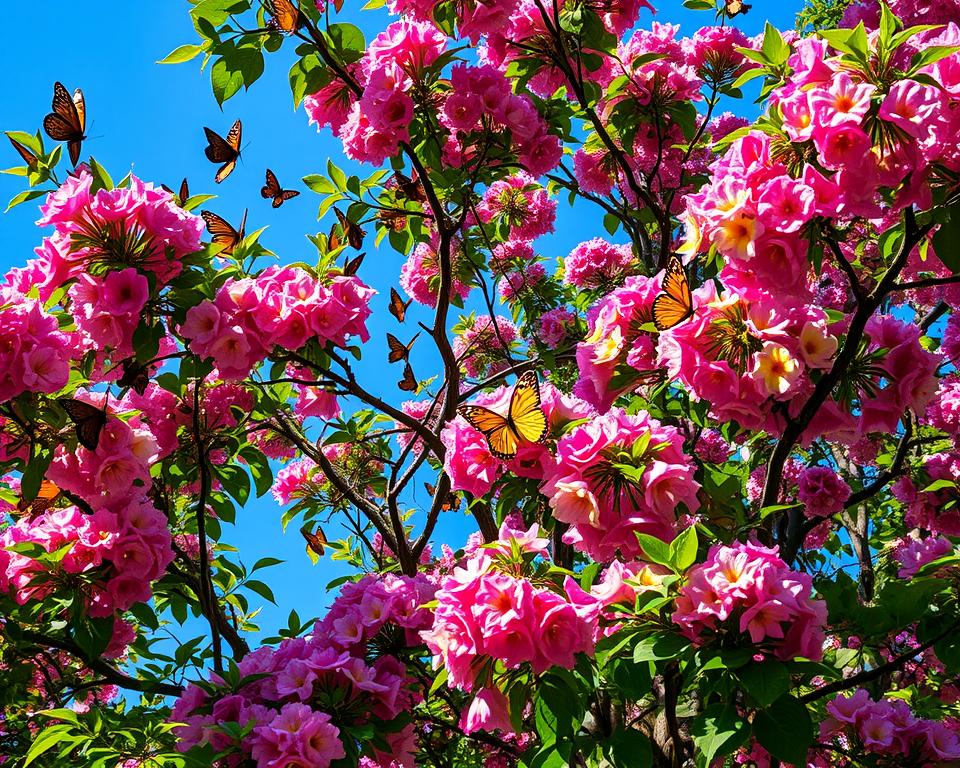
point(468, 461)
point(489, 711)
point(822, 491)
point(597, 263)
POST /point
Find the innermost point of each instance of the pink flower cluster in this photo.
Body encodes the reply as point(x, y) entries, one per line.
point(913, 553)
point(944, 410)
point(420, 273)
point(139, 225)
point(107, 310)
point(519, 204)
point(483, 346)
point(618, 475)
point(35, 354)
point(822, 491)
point(485, 611)
point(932, 511)
point(481, 98)
point(889, 727)
point(746, 589)
point(597, 263)
point(345, 669)
point(615, 344)
point(282, 306)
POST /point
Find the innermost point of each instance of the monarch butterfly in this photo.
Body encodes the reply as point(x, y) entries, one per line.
point(182, 196)
point(223, 234)
point(224, 150)
point(135, 376)
point(28, 157)
point(393, 220)
point(68, 119)
point(351, 267)
point(412, 190)
point(45, 498)
point(351, 231)
point(398, 350)
point(273, 189)
point(285, 13)
point(452, 502)
point(409, 381)
point(736, 7)
point(525, 421)
point(398, 307)
point(674, 303)
point(315, 541)
point(88, 420)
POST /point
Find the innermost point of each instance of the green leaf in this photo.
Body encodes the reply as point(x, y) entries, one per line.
point(659, 646)
point(947, 237)
point(718, 730)
point(32, 477)
point(261, 589)
point(48, 737)
point(940, 485)
point(266, 562)
point(181, 54)
point(259, 467)
point(699, 5)
point(93, 635)
point(26, 196)
point(348, 42)
point(654, 550)
point(630, 749)
point(775, 50)
point(683, 549)
point(785, 730)
point(765, 681)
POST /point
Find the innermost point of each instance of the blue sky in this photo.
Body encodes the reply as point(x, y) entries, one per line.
point(147, 118)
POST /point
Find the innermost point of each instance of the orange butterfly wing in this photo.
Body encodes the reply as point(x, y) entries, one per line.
point(68, 119)
point(674, 304)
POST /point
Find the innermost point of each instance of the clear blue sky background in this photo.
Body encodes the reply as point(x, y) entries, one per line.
point(147, 118)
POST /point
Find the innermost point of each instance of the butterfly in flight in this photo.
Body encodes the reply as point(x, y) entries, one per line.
point(224, 234)
point(452, 502)
point(736, 8)
point(183, 195)
point(398, 307)
point(525, 421)
point(674, 304)
point(398, 350)
point(224, 150)
point(409, 381)
point(315, 541)
point(28, 157)
point(273, 189)
point(353, 265)
point(88, 420)
point(286, 14)
point(46, 497)
point(135, 376)
point(68, 120)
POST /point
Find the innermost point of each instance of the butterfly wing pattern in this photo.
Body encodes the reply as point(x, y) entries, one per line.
point(525, 422)
point(224, 150)
point(88, 420)
point(68, 119)
point(272, 189)
point(674, 304)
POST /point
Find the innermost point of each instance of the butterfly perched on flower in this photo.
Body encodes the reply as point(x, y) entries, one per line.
point(674, 304)
point(224, 150)
point(525, 421)
point(222, 233)
point(273, 189)
point(88, 420)
point(68, 120)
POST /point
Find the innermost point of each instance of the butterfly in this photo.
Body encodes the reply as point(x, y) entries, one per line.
point(68, 119)
point(135, 376)
point(525, 421)
point(273, 189)
point(285, 14)
point(88, 420)
point(183, 195)
point(412, 190)
point(398, 350)
point(674, 303)
point(409, 381)
point(398, 307)
point(351, 231)
point(736, 7)
point(223, 233)
point(393, 220)
point(224, 150)
point(315, 541)
point(28, 157)
point(46, 497)
point(452, 502)
point(353, 265)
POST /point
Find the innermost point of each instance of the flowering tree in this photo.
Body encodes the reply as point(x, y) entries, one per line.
point(735, 543)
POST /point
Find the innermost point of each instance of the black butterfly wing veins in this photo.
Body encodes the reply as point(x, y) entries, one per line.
point(674, 304)
point(398, 350)
point(398, 307)
point(409, 381)
point(88, 420)
point(68, 119)
point(224, 150)
point(222, 233)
